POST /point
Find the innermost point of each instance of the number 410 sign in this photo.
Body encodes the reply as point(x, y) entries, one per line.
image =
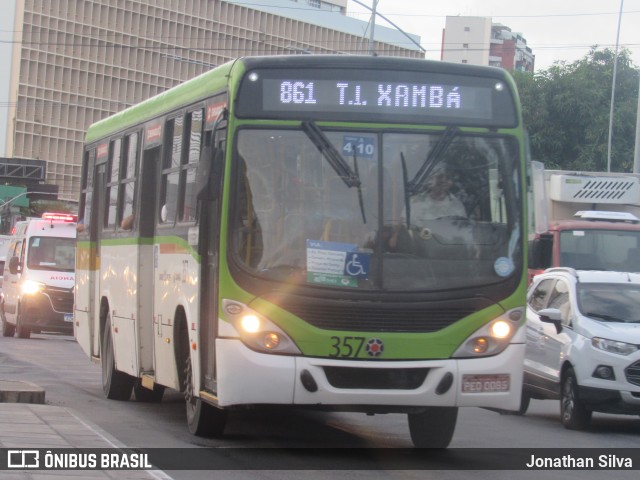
point(362, 147)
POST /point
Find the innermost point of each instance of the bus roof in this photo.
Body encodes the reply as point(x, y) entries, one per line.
point(198, 88)
point(213, 81)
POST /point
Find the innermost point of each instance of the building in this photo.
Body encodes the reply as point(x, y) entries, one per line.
point(509, 50)
point(466, 40)
point(70, 63)
point(478, 41)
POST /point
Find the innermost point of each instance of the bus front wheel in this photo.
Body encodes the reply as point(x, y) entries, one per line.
point(115, 385)
point(434, 427)
point(203, 420)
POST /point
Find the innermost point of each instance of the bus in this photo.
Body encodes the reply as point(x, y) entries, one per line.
point(260, 236)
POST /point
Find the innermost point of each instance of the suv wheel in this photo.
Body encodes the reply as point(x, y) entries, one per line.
point(573, 413)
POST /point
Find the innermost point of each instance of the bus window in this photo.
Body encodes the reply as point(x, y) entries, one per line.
point(112, 182)
point(188, 183)
point(128, 183)
point(86, 195)
point(171, 170)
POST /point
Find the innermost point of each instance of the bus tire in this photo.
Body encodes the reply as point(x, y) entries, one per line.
point(115, 385)
point(143, 394)
point(434, 427)
point(23, 332)
point(203, 420)
point(573, 414)
point(8, 330)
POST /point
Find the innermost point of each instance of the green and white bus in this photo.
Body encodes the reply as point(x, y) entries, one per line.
point(267, 234)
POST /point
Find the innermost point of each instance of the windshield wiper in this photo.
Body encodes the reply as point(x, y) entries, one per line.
point(433, 158)
point(405, 184)
point(331, 153)
point(336, 160)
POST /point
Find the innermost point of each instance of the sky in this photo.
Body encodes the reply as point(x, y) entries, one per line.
point(555, 30)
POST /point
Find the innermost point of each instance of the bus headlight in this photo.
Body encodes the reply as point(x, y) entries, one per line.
point(250, 323)
point(258, 332)
point(491, 338)
point(31, 287)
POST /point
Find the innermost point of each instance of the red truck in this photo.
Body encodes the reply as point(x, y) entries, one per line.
point(588, 221)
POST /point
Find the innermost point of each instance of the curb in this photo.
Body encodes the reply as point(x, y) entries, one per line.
point(12, 391)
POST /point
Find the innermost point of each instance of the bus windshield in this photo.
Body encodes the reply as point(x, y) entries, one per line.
point(398, 211)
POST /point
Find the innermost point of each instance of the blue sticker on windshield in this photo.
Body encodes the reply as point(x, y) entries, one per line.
point(361, 147)
point(338, 264)
point(503, 266)
point(357, 265)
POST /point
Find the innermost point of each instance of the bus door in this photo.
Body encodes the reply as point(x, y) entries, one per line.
point(210, 173)
point(84, 328)
point(147, 201)
point(96, 224)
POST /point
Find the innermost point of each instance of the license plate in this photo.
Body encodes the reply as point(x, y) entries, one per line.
point(68, 317)
point(485, 383)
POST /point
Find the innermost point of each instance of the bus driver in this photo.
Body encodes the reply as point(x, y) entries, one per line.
point(436, 200)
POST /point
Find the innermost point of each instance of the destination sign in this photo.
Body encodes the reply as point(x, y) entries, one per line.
point(376, 95)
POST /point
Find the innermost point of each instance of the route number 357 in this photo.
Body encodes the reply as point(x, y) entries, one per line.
point(346, 347)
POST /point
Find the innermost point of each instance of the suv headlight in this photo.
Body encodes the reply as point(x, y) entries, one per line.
point(612, 346)
point(31, 287)
point(493, 337)
point(258, 332)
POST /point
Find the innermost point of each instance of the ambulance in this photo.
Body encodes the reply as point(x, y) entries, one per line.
point(39, 277)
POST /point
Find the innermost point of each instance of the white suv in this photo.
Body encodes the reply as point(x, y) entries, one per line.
point(583, 343)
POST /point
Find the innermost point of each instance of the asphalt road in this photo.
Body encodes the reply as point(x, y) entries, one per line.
point(56, 363)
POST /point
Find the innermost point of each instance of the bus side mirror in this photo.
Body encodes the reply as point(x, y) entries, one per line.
point(14, 265)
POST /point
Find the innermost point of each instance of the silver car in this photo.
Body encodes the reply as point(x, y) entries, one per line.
point(583, 343)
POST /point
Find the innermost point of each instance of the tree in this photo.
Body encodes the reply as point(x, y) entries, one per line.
point(38, 207)
point(566, 111)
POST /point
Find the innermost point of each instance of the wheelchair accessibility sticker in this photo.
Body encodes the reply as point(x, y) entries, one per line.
point(337, 264)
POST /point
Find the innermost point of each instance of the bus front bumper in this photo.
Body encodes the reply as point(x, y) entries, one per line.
point(246, 377)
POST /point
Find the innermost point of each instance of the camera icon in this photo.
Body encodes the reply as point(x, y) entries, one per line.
point(23, 459)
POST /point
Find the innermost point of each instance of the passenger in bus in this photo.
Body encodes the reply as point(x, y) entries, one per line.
point(127, 222)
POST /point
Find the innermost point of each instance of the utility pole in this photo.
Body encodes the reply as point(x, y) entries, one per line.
point(372, 49)
point(613, 89)
point(375, 13)
point(636, 155)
